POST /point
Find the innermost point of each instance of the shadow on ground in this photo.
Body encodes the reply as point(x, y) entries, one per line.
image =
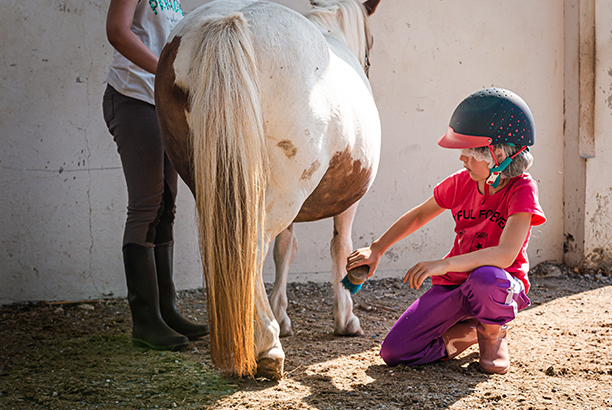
point(78, 355)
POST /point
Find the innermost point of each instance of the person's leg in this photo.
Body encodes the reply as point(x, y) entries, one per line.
point(133, 124)
point(495, 298)
point(493, 295)
point(416, 338)
point(149, 329)
point(459, 337)
point(167, 210)
point(439, 324)
point(164, 258)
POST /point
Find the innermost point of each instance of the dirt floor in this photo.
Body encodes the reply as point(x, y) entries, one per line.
point(78, 356)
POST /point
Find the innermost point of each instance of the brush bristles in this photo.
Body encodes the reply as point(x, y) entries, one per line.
point(348, 285)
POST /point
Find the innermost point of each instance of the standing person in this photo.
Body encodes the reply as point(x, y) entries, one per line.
point(138, 29)
point(482, 283)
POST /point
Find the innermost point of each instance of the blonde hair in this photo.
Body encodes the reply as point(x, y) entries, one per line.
point(519, 165)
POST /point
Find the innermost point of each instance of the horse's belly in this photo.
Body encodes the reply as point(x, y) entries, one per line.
point(343, 184)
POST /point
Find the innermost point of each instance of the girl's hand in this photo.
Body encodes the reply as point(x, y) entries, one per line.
point(364, 256)
point(422, 270)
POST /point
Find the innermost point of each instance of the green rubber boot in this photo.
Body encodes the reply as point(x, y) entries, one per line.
point(167, 296)
point(149, 329)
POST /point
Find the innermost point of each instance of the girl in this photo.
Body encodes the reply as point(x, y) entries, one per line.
point(138, 29)
point(482, 283)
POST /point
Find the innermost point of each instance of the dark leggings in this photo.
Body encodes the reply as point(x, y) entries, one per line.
point(151, 179)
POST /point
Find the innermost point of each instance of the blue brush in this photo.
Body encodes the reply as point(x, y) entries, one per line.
point(355, 278)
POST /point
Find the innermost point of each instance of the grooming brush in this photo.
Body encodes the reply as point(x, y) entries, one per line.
point(355, 277)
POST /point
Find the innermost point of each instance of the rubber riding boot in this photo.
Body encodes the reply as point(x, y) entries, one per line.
point(493, 344)
point(459, 337)
point(149, 330)
point(167, 296)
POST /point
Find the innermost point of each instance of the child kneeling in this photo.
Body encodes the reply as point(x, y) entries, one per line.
point(482, 283)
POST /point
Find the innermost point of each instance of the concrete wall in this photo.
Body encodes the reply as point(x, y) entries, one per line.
point(64, 200)
point(598, 195)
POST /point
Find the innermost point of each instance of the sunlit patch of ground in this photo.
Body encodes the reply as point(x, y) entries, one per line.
point(71, 356)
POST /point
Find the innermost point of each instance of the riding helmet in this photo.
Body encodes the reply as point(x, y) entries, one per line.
point(488, 117)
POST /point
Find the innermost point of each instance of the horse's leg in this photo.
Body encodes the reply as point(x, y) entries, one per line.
point(345, 322)
point(270, 355)
point(285, 247)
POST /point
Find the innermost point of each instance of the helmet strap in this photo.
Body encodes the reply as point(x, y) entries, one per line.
point(495, 172)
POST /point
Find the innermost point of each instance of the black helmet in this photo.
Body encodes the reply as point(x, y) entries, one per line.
point(488, 117)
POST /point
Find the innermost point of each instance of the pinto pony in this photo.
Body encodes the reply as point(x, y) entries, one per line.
point(269, 118)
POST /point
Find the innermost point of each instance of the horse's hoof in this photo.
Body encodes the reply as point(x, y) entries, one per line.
point(351, 329)
point(270, 368)
point(286, 333)
point(285, 329)
point(355, 333)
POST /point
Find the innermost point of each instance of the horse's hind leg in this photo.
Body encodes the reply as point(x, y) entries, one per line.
point(345, 322)
point(270, 355)
point(285, 247)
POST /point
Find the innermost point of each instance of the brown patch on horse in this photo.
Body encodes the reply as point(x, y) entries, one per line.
point(171, 114)
point(288, 148)
point(343, 184)
point(307, 174)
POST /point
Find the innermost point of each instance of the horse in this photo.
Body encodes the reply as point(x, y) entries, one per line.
point(269, 118)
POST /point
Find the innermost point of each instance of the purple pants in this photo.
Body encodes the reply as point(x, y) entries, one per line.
point(490, 294)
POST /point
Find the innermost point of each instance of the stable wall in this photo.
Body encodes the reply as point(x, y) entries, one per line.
point(598, 195)
point(64, 200)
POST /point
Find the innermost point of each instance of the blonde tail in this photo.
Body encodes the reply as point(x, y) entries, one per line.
point(230, 176)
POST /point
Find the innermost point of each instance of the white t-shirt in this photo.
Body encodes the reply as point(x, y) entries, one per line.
point(153, 22)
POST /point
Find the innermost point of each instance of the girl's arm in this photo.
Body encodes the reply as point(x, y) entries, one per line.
point(122, 38)
point(404, 226)
point(503, 255)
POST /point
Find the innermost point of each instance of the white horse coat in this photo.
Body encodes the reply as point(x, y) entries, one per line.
point(316, 146)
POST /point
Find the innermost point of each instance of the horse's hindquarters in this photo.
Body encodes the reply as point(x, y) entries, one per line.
point(343, 184)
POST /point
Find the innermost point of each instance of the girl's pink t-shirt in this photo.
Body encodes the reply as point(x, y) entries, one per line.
point(479, 225)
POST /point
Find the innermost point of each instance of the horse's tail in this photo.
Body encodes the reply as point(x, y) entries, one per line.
point(230, 176)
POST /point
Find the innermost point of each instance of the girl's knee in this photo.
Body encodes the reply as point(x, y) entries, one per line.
point(491, 292)
point(389, 354)
point(487, 284)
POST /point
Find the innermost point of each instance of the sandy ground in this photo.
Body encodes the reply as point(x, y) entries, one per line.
point(78, 355)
